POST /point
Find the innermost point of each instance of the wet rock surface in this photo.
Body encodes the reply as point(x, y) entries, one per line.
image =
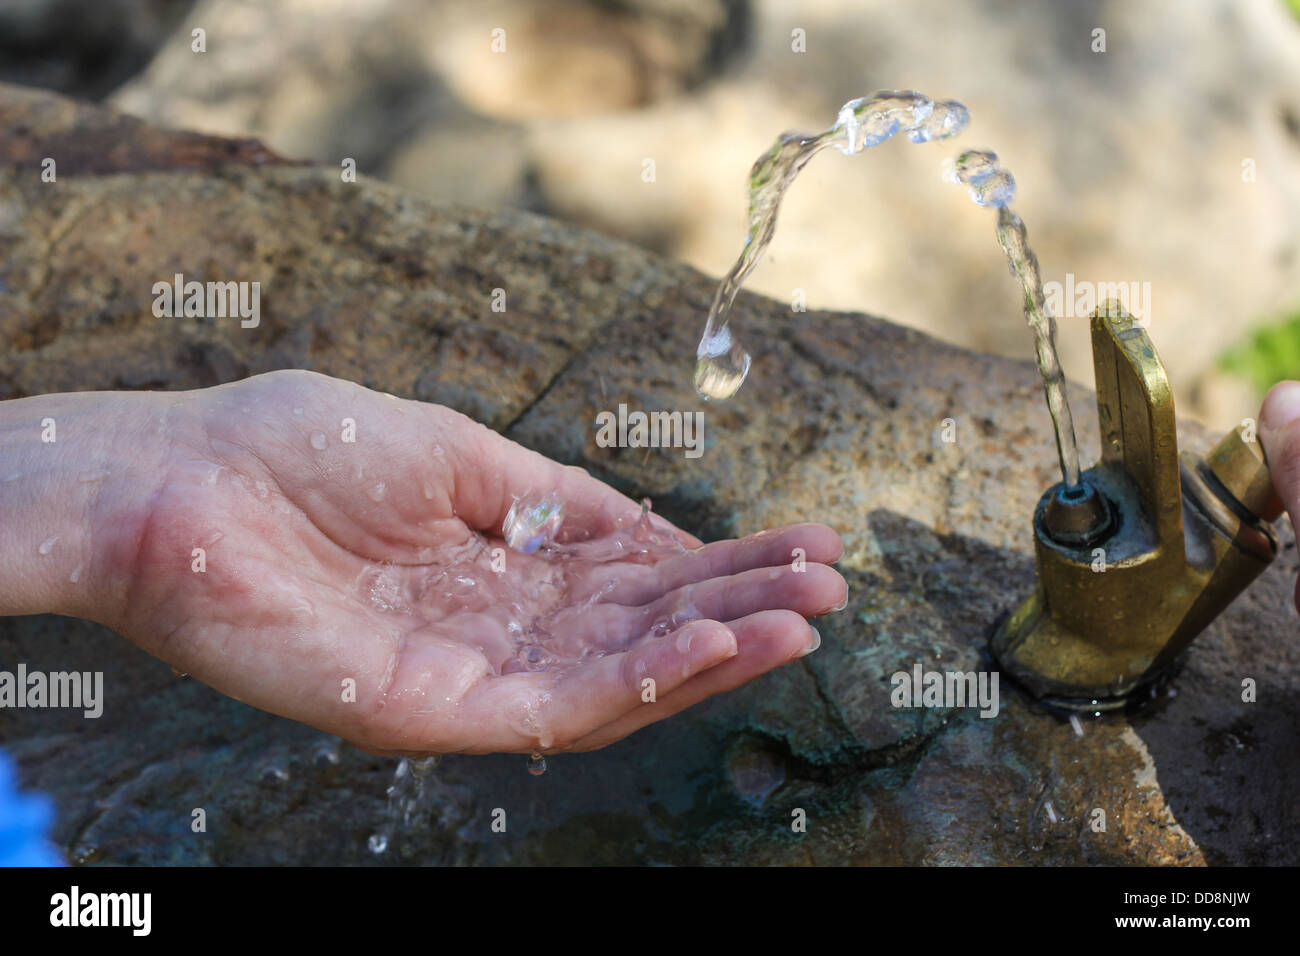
point(842, 421)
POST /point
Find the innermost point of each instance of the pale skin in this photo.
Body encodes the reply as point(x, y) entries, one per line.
point(104, 522)
point(1279, 433)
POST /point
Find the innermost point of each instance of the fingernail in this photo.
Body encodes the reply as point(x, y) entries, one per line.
point(815, 643)
point(843, 604)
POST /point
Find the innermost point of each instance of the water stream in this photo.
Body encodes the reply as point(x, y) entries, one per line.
point(722, 362)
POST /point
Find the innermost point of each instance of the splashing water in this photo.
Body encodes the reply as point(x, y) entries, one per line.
point(991, 185)
point(721, 361)
point(405, 794)
point(528, 609)
point(532, 523)
point(526, 613)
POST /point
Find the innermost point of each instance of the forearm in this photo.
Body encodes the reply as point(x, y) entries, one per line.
point(76, 473)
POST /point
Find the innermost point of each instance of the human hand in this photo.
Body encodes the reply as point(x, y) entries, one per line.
point(1279, 433)
point(325, 565)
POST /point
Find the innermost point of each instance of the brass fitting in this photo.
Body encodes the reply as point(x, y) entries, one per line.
point(1137, 561)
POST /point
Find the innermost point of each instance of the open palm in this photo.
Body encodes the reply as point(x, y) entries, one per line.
point(334, 555)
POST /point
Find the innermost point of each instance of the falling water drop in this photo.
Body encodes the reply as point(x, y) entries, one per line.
point(378, 843)
point(421, 767)
point(536, 764)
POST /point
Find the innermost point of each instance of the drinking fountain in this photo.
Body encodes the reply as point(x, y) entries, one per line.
point(1137, 559)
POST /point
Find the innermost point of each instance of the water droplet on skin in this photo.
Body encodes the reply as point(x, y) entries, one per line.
point(297, 411)
point(532, 522)
point(384, 587)
point(377, 492)
point(76, 574)
point(47, 545)
point(428, 491)
point(319, 441)
point(179, 673)
point(536, 764)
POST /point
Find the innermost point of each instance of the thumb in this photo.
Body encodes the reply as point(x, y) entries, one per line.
point(1279, 433)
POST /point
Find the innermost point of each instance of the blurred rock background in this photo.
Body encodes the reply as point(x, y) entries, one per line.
point(1133, 164)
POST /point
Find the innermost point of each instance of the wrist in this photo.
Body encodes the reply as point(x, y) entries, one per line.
point(77, 474)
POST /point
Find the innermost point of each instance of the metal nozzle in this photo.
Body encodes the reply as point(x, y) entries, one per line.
point(1152, 545)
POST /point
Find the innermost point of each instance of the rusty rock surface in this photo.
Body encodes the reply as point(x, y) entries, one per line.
point(841, 421)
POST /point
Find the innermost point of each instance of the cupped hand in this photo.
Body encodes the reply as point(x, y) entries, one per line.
point(335, 555)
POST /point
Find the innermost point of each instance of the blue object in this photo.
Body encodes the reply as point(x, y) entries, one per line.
point(24, 823)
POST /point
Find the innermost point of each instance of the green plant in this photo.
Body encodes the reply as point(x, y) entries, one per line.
point(1271, 353)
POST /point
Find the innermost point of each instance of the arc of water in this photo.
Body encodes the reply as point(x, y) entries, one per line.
point(722, 363)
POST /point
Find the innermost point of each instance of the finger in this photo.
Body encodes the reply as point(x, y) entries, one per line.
point(491, 473)
point(1279, 433)
point(815, 590)
point(810, 592)
point(793, 546)
point(766, 640)
point(548, 711)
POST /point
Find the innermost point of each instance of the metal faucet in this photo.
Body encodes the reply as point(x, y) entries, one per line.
point(1139, 558)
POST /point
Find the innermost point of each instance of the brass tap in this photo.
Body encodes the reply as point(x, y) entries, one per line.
point(1136, 561)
